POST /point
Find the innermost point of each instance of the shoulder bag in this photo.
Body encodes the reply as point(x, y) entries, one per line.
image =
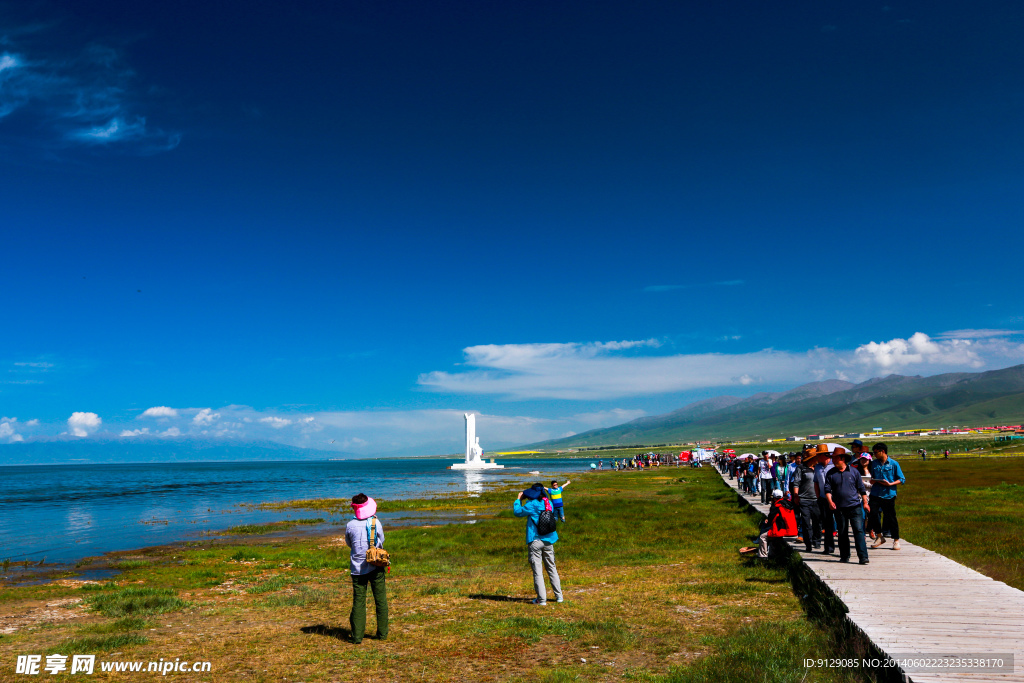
point(378, 557)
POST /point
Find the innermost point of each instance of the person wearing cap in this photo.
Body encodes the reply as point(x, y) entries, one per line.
point(845, 492)
point(540, 547)
point(364, 574)
point(780, 522)
point(805, 498)
point(886, 475)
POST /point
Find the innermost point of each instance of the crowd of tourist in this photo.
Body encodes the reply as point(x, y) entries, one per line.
point(642, 461)
point(823, 495)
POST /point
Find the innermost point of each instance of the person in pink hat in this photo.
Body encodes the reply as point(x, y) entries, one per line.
point(364, 574)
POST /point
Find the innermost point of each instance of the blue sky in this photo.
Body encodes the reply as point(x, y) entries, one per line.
point(560, 215)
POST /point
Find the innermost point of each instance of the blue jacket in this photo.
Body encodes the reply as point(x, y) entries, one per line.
point(889, 471)
point(532, 509)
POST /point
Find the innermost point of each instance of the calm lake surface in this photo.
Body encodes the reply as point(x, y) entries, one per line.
point(66, 512)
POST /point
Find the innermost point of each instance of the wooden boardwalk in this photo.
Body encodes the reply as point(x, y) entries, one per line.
point(914, 601)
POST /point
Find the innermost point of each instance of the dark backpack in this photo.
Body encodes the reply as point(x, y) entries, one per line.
point(546, 523)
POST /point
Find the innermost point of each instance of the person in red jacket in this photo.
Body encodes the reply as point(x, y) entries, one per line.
point(781, 522)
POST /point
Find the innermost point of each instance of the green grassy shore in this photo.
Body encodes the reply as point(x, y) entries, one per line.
point(654, 589)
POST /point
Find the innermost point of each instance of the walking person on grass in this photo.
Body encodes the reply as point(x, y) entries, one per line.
point(886, 475)
point(845, 492)
point(540, 546)
point(358, 533)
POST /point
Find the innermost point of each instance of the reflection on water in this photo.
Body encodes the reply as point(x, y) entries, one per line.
point(78, 519)
point(474, 481)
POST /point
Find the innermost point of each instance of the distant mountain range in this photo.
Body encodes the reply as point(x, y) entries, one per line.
point(833, 406)
point(83, 451)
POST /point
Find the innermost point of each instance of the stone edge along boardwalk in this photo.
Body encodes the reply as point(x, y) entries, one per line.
point(915, 601)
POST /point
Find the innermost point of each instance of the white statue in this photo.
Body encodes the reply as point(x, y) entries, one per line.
point(474, 452)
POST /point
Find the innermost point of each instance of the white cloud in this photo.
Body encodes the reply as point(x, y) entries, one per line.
point(32, 423)
point(173, 431)
point(592, 371)
point(205, 417)
point(918, 349)
point(600, 371)
point(116, 129)
point(128, 433)
point(276, 422)
point(159, 411)
point(87, 98)
point(83, 424)
point(7, 432)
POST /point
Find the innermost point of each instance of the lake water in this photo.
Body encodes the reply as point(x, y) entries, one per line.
point(66, 512)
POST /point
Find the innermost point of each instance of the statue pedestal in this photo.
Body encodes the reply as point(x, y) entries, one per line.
point(477, 465)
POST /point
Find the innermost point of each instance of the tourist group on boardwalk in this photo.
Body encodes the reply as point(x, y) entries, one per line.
point(823, 495)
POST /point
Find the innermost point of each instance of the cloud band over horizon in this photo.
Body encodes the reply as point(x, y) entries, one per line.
point(599, 371)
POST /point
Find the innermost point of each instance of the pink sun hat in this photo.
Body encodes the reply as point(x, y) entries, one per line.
point(365, 510)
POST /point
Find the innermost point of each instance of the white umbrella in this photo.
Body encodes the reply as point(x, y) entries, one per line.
point(775, 453)
point(748, 454)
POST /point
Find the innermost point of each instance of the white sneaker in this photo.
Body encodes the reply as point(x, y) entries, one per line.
point(878, 542)
point(896, 544)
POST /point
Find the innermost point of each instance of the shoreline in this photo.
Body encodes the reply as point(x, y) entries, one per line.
point(39, 573)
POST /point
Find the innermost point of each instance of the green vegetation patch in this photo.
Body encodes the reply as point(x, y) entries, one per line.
point(132, 564)
point(101, 643)
point(305, 596)
point(136, 600)
point(123, 625)
point(269, 527)
point(274, 584)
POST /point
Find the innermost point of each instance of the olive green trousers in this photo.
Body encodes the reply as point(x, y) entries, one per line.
point(375, 580)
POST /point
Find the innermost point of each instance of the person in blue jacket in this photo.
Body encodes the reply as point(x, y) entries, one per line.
point(886, 475)
point(540, 548)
